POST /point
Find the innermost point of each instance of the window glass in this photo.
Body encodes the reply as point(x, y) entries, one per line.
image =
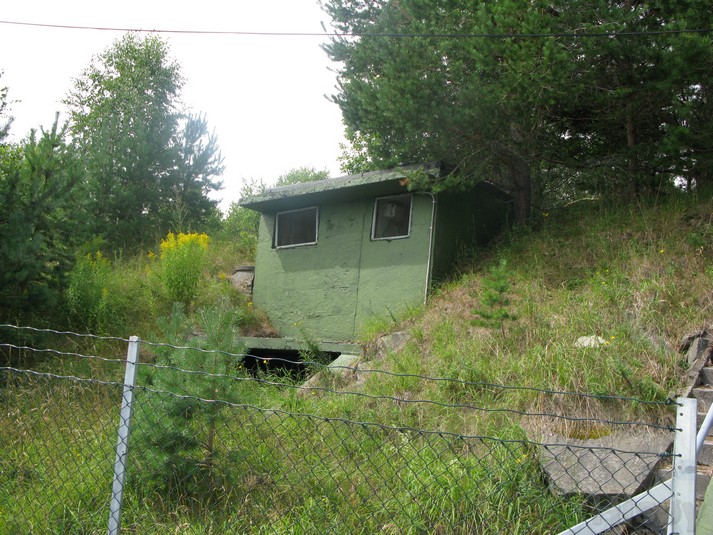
point(392, 217)
point(296, 227)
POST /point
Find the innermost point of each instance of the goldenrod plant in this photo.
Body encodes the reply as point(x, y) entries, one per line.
point(182, 262)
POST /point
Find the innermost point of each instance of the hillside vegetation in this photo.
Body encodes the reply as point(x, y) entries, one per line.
point(483, 359)
point(638, 277)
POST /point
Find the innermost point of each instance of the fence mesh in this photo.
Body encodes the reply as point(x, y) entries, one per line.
point(57, 447)
point(214, 464)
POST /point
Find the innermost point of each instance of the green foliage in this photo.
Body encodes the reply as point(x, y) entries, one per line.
point(182, 458)
point(88, 293)
point(115, 297)
point(300, 175)
point(355, 157)
point(541, 116)
point(150, 167)
point(5, 119)
point(241, 224)
point(494, 300)
point(182, 263)
point(41, 221)
point(186, 191)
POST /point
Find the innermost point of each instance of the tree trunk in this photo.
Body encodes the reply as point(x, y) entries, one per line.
point(519, 176)
point(633, 163)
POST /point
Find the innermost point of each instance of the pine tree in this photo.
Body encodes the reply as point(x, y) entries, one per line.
point(178, 429)
point(494, 300)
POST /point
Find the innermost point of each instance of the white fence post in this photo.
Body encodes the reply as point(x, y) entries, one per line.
point(683, 499)
point(122, 446)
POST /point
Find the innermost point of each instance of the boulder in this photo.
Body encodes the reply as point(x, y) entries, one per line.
point(619, 465)
point(242, 279)
point(391, 343)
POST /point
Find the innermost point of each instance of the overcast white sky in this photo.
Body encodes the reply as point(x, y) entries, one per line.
point(263, 95)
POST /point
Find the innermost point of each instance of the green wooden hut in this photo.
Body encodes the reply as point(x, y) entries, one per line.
point(334, 253)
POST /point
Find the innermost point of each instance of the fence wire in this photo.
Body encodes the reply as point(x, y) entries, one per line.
point(57, 441)
point(206, 455)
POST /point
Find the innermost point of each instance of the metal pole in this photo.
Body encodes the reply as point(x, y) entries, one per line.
point(122, 446)
point(704, 429)
point(683, 499)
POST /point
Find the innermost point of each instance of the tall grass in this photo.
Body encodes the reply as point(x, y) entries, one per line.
point(638, 277)
point(57, 446)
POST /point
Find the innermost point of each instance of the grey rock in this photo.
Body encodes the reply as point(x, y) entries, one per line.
point(242, 279)
point(697, 347)
point(341, 370)
point(618, 465)
point(391, 343)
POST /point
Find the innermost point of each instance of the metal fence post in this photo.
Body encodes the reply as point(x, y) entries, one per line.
point(682, 508)
point(683, 499)
point(122, 446)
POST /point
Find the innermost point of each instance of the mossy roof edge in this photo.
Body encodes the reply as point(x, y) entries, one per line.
point(335, 189)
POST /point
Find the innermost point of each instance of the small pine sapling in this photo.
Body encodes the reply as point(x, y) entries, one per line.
point(494, 302)
point(178, 426)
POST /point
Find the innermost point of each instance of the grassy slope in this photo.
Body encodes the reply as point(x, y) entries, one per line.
point(639, 277)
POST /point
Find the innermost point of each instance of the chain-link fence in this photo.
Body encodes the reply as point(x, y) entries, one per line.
point(237, 453)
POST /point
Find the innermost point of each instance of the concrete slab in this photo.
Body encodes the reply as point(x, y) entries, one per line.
point(344, 360)
point(614, 465)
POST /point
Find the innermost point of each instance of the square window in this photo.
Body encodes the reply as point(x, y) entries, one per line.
point(296, 227)
point(392, 217)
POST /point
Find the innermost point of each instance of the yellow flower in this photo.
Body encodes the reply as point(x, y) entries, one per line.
point(184, 241)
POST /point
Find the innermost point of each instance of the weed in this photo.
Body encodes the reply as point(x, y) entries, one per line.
point(88, 293)
point(182, 263)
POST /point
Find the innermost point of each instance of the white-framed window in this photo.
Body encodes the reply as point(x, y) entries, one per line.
point(296, 227)
point(392, 217)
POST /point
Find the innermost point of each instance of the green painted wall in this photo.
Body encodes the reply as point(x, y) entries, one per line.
point(466, 219)
point(394, 272)
point(330, 289)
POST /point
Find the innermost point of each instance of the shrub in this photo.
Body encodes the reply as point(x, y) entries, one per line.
point(177, 430)
point(88, 293)
point(182, 261)
point(494, 299)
